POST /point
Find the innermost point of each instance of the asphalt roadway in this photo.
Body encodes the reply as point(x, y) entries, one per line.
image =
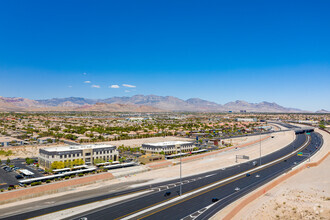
point(200, 202)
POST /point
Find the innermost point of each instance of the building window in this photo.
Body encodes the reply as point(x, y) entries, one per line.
point(87, 154)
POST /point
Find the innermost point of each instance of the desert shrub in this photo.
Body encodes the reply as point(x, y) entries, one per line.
point(36, 183)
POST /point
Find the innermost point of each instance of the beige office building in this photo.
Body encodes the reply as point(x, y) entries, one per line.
point(69, 153)
point(168, 147)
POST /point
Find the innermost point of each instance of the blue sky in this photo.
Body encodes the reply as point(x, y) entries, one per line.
point(276, 51)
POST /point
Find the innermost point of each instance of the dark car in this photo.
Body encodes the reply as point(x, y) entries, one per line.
point(168, 193)
point(19, 177)
point(214, 199)
point(8, 169)
point(248, 174)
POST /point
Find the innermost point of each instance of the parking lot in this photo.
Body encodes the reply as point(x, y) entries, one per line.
point(8, 175)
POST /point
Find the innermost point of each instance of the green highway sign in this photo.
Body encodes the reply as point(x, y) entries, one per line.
point(308, 133)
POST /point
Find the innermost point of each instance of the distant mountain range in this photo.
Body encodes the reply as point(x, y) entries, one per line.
point(140, 103)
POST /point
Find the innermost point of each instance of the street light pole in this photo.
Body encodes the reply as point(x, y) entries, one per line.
point(180, 172)
point(260, 145)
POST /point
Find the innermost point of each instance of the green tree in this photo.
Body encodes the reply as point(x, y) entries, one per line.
point(322, 126)
point(54, 165)
point(8, 161)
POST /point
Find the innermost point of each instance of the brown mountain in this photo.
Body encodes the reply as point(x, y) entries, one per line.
point(104, 107)
point(138, 103)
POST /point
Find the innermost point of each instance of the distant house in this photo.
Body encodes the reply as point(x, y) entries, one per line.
point(9, 141)
point(132, 134)
point(83, 139)
point(46, 140)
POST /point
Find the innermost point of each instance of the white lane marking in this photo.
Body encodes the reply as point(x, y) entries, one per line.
point(87, 207)
point(212, 185)
point(210, 175)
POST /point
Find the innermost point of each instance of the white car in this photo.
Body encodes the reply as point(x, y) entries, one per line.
point(237, 189)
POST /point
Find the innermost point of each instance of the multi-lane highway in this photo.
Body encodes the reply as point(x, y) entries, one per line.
point(226, 185)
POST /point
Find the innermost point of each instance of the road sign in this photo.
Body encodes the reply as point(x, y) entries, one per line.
point(308, 133)
point(300, 154)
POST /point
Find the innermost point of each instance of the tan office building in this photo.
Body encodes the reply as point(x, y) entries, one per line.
point(69, 153)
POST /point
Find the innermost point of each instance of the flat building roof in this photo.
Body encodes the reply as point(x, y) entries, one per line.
point(168, 143)
point(77, 147)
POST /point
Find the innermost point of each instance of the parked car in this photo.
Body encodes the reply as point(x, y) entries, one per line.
point(8, 169)
point(19, 177)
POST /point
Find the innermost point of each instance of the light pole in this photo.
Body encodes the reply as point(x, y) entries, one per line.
point(260, 145)
point(180, 172)
point(293, 140)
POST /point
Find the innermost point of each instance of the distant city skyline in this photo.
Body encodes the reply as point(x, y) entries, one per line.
point(220, 51)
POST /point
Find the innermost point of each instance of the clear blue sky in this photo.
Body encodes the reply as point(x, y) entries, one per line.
point(277, 51)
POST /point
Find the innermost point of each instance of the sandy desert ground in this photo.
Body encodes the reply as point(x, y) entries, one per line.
point(304, 196)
